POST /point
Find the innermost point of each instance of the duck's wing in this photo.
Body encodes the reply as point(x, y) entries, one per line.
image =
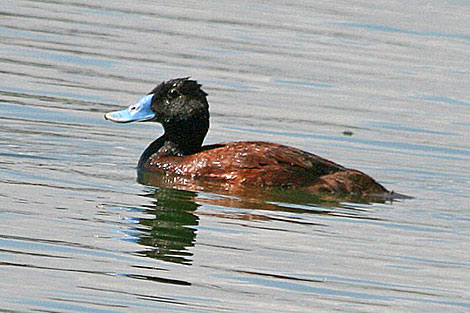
point(259, 154)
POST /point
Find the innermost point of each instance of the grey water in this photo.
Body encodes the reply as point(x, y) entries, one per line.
point(380, 86)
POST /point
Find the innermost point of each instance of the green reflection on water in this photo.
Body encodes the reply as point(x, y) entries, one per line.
point(170, 228)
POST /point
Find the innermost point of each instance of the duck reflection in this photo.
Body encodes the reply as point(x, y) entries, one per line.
point(249, 197)
point(170, 230)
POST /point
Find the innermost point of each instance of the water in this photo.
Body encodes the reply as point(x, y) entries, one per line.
point(381, 87)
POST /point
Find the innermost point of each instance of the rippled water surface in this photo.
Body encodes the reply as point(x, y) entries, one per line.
point(378, 86)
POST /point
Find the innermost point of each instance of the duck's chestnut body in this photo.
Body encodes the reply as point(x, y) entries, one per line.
point(265, 164)
point(181, 106)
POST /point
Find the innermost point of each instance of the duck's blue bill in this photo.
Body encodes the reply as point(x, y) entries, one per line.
point(141, 111)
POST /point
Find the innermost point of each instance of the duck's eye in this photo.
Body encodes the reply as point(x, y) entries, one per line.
point(132, 108)
point(173, 93)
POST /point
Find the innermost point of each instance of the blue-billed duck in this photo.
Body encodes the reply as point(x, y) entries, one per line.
point(181, 106)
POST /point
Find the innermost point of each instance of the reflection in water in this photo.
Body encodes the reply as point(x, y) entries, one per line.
point(182, 195)
point(251, 197)
point(171, 229)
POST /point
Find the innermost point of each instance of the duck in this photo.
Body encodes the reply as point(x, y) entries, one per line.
point(180, 105)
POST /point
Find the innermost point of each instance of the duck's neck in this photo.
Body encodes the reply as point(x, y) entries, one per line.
point(151, 150)
point(176, 141)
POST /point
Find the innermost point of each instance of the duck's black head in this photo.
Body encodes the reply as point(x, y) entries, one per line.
point(180, 105)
